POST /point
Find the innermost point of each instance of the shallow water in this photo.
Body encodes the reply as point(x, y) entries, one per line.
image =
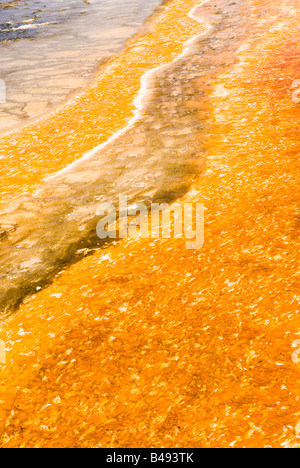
point(156, 159)
point(148, 344)
point(29, 19)
point(49, 51)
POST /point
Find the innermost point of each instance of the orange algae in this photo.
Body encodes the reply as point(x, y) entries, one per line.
point(41, 149)
point(150, 345)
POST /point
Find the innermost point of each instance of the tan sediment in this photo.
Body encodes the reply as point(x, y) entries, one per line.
point(151, 345)
point(39, 150)
point(142, 161)
point(54, 68)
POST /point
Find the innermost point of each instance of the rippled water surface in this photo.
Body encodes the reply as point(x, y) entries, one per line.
point(50, 49)
point(31, 18)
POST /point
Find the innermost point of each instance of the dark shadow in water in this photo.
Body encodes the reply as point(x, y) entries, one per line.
point(157, 160)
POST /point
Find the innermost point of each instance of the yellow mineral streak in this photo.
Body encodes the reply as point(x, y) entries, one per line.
point(37, 151)
point(150, 345)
